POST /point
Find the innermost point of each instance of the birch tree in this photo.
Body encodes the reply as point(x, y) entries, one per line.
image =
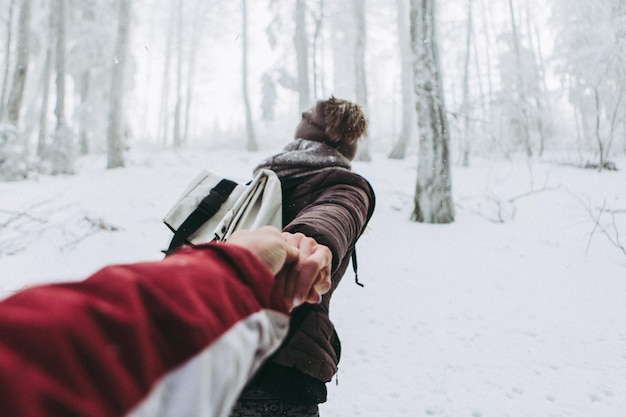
point(521, 103)
point(115, 130)
point(251, 143)
point(343, 37)
point(164, 106)
point(433, 190)
point(61, 152)
point(406, 78)
point(13, 156)
point(7, 58)
point(319, 84)
point(196, 35)
point(466, 143)
point(42, 137)
point(179, 75)
point(16, 94)
point(301, 43)
point(91, 43)
point(363, 152)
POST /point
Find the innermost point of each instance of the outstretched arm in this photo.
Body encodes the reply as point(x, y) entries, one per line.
point(99, 347)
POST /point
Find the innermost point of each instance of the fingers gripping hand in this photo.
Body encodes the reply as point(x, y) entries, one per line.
point(269, 245)
point(308, 278)
point(302, 267)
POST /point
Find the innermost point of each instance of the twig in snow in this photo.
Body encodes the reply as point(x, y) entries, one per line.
point(596, 225)
point(614, 238)
point(504, 208)
point(94, 226)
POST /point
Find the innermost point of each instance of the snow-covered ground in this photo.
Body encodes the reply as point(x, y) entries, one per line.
point(518, 308)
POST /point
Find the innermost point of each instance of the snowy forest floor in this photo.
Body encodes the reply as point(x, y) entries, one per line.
point(518, 308)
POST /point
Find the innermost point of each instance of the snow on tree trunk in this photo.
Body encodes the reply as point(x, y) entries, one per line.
point(433, 191)
point(317, 54)
point(363, 151)
point(251, 144)
point(343, 37)
point(13, 155)
point(42, 137)
point(13, 162)
point(164, 112)
point(521, 104)
point(115, 136)
point(406, 74)
point(176, 134)
point(61, 150)
point(196, 35)
point(301, 43)
point(21, 65)
point(83, 117)
point(466, 140)
point(7, 59)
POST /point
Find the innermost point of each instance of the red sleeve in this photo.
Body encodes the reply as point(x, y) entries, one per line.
point(95, 348)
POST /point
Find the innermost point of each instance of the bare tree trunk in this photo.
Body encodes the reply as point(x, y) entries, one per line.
point(363, 152)
point(164, 116)
point(318, 73)
point(342, 37)
point(544, 110)
point(467, 126)
point(196, 35)
point(83, 124)
point(43, 115)
point(62, 147)
point(13, 143)
point(21, 65)
point(521, 102)
point(59, 110)
point(488, 100)
point(179, 75)
point(406, 74)
point(598, 136)
point(301, 43)
point(84, 88)
point(115, 134)
point(7, 59)
point(433, 190)
point(251, 144)
point(614, 119)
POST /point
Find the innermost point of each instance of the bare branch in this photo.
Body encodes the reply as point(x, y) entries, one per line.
point(595, 227)
point(21, 228)
point(94, 226)
point(503, 209)
point(614, 237)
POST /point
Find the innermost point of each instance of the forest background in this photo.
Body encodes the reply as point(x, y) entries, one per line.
point(518, 76)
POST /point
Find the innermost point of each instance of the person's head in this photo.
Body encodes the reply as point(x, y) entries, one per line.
point(335, 122)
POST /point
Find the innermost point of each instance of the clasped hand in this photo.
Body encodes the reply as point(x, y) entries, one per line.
point(302, 267)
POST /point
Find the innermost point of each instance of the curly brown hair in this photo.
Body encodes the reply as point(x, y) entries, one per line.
point(345, 121)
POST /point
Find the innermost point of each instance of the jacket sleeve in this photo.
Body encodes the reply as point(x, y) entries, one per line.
point(338, 215)
point(99, 347)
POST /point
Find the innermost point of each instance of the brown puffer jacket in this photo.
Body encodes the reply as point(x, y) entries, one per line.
point(323, 199)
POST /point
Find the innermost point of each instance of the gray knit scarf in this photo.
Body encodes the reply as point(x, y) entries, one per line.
point(302, 156)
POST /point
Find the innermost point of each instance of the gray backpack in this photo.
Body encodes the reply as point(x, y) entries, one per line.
point(213, 207)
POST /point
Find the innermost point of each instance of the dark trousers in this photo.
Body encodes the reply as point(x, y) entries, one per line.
point(258, 403)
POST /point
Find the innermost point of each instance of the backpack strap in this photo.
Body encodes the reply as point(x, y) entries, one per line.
point(205, 210)
point(355, 267)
